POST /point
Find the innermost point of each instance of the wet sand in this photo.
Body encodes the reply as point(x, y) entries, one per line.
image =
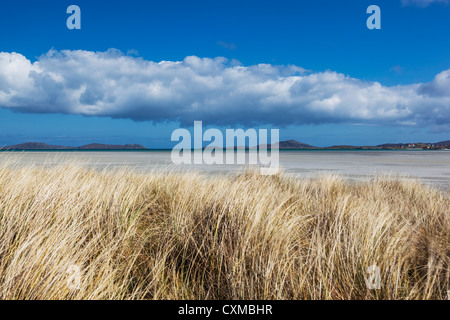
point(431, 167)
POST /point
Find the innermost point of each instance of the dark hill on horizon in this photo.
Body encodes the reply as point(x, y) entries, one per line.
point(405, 145)
point(92, 146)
point(34, 146)
point(443, 143)
point(294, 144)
point(283, 145)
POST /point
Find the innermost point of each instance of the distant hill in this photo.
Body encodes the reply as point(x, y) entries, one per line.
point(443, 143)
point(292, 144)
point(35, 146)
point(407, 145)
point(282, 145)
point(92, 146)
point(393, 145)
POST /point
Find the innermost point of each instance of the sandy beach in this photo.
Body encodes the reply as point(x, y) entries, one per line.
point(432, 167)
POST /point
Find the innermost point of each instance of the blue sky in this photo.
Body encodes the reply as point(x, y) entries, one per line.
point(310, 68)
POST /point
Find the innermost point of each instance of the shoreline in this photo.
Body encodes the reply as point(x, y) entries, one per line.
point(431, 167)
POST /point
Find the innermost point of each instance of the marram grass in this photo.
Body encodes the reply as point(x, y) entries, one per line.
point(129, 235)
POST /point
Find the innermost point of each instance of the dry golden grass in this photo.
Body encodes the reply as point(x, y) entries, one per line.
point(187, 236)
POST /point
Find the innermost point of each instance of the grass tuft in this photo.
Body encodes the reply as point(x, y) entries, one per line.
point(188, 236)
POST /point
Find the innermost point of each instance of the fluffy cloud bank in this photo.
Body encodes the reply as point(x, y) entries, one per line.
point(216, 91)
point(422, 3)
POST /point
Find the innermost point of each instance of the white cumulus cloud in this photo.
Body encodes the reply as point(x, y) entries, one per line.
point(216, 91)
